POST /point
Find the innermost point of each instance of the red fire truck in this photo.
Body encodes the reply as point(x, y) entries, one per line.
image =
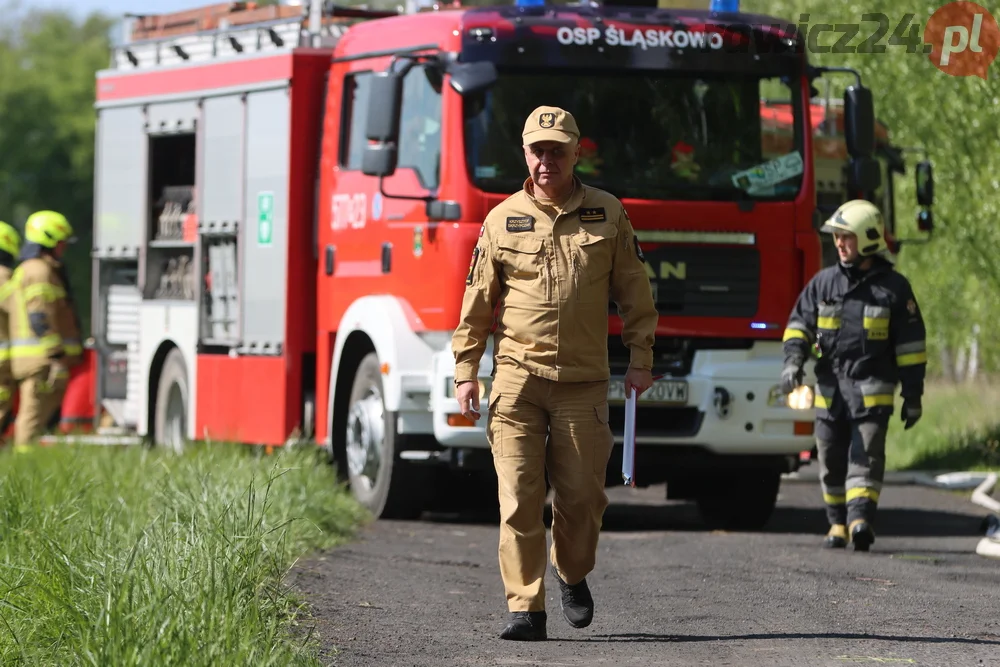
point(287, 199)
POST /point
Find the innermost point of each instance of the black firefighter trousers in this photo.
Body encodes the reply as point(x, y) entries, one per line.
point(852, 466)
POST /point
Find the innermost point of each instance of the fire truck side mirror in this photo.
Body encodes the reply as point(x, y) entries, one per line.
point(859, 121)
point(443, 210)
point(864, 174)
point(925, 183)
point(379, 160)
point(385, 99)
point(472, 77)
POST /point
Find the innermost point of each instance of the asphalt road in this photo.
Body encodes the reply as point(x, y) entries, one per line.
point(669, 592)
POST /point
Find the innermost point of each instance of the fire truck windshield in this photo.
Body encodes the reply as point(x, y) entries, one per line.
point(650, 135)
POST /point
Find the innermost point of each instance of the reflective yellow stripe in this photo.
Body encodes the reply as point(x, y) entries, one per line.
point(876, 322)
point(828, 322)
point(830, 499)
point(45, 291)
point(911, 359)
point(877, 400)
point(870, 494)
point(821, 401)
point(794, 333)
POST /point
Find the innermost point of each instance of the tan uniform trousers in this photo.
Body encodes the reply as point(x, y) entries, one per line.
point(536, 424)
point(39, 401)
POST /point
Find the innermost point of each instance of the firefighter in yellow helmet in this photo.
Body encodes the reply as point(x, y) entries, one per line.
point(862, 322)
point(44, 328)
point(10, 248)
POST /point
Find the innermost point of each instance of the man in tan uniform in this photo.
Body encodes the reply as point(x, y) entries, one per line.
point(552, 255)
point(44, 329)
point(10, 248)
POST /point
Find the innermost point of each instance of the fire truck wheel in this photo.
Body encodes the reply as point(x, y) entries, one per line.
point(170, 416)
point(741, 500)
point(385, 484)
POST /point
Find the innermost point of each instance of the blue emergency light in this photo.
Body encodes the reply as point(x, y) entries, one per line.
point(529, 3)
point(725, 6)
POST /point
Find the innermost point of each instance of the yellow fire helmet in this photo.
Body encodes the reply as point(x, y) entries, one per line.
point(863, 219)
point(10, 240)
point(48, 228)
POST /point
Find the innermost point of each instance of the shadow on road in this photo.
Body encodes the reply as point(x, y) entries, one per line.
point(628, 517)
point(644, 637)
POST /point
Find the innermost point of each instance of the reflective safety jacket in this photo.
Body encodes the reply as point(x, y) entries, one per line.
point(42, 323)
point(5, 287)
point(868, 334)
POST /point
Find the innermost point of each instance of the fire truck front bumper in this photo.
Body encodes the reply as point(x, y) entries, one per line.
point(729, 404)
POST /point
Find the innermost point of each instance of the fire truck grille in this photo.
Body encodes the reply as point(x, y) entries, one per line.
point(705, 281)
point(671, 355)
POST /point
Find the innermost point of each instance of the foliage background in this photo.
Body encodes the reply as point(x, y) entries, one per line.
point(48, 60)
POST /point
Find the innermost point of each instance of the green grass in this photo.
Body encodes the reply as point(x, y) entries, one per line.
point(959, 430)
point(136, 557)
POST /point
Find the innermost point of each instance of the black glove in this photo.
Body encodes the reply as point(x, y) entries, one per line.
point(911, 412)
point(791, 377)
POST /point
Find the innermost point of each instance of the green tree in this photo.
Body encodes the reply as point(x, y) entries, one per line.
point(47, 65)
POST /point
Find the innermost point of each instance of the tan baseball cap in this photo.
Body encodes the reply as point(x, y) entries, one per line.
point(550, 124)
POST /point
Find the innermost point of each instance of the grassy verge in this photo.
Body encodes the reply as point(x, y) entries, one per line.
point(136, 557)
point(959, 430)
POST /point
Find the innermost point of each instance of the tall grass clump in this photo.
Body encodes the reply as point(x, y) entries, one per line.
point(138, 557)
point(959, 429)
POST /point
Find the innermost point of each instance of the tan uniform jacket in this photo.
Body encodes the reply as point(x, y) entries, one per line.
point(5, 287)
point(42, 323)
point(554, 274)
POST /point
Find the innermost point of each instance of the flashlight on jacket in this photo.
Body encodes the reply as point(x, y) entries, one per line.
point(801, 398)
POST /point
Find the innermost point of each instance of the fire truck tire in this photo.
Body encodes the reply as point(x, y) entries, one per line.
point(389, 487)
point(171, 410)
point(741, 500)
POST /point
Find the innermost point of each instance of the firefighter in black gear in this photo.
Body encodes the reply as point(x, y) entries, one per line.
point(861, 321)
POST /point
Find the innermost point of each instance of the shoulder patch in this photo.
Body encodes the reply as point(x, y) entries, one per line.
point(524, 223)
point(472, 265)
point(593, 215)
point(911, 306)
point(482, 230)
point(638, 250)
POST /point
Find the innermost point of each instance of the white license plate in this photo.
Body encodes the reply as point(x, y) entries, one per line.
point(670, 392)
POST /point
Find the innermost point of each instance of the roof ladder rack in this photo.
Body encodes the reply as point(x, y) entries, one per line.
point(230, 30)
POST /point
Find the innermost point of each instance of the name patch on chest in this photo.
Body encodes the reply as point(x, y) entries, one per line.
point(524, 223)
point(593, 215)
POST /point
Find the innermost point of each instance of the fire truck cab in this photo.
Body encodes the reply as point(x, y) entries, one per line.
point(287, 197)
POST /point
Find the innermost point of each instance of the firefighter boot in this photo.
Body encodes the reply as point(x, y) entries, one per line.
point(836, 538)
point(525, 626)
point(576, 602)
point(862, 535)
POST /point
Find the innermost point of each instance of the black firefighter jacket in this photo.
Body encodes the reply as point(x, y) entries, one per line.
point(868, 334)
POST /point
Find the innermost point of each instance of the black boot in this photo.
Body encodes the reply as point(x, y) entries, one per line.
point(862, 535)
point(525, 626)
point(576, 602)
point(836, 538)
